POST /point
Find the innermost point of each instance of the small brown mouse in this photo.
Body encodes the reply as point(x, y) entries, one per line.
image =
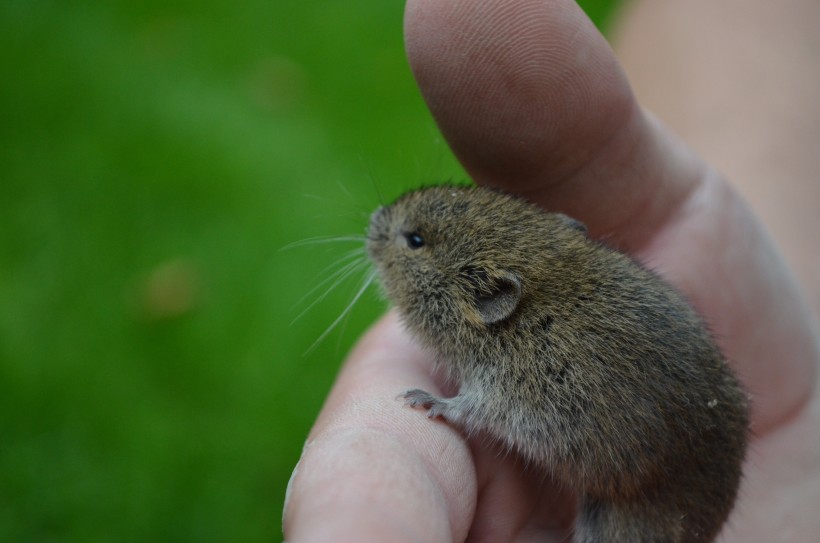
point(586, 363)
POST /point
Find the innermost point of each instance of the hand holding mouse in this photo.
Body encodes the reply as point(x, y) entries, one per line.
point(531, 100)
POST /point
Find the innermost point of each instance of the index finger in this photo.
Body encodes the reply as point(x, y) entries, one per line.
point(373, 470)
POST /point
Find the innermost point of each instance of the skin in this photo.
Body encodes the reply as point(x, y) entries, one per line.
point(765, 92)
point(531, 99)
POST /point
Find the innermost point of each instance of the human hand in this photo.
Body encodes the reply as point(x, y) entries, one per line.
point(531, 99)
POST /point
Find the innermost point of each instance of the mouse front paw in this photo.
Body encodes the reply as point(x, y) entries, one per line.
point(436, 407)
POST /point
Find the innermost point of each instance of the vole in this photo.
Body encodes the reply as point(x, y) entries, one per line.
point(582, 360)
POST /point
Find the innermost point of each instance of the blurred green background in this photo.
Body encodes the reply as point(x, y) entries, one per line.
point(154, 159)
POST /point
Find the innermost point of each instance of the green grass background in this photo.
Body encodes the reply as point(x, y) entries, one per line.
point(154, 158)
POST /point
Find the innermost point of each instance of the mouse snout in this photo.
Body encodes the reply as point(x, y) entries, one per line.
point(377, 231)
point(377, 216)
point(378, 223)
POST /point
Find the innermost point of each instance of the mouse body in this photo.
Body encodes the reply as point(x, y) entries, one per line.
point(586, 363)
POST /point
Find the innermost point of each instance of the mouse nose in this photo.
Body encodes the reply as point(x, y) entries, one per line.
point(377, 219)
point(377, 231)
point(379, 211)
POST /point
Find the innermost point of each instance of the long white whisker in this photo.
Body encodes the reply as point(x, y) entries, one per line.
point(336, 278)
point(367, 282)
point(355, 253)
point(339, 276)
point(323, 239)
point(372, 176)
point(343, 188)
point(364, 284)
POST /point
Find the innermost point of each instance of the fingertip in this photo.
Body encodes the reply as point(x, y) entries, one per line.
point(524, 90)
point(373, 469)
point(361, 485)
point(385, 362)
point(532, 100)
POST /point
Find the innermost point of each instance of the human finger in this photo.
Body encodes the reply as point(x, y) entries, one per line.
point(762, 136)
point(532, 99)
point(373, 469)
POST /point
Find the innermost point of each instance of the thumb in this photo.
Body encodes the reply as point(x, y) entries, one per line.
point(531, 99)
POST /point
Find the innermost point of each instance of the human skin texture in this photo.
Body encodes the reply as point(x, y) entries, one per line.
point(532, 100)
point(742, 91)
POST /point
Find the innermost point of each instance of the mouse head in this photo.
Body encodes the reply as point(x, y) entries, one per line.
point(451, 257)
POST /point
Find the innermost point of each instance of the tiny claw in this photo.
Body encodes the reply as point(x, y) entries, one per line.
point(419, 398)
point(436, 407)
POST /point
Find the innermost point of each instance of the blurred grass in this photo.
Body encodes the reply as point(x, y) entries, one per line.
point(154, 157)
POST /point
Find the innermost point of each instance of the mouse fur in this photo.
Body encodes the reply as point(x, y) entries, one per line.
point(573, 354)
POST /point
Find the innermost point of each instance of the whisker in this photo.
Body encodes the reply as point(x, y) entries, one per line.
point(353, 207)
point(355, 253)
point(323, 239)
point(366, 283)
point(314, 197)
point(372, 177)
point(344, 189)
point(367, 280)
point(338, 278)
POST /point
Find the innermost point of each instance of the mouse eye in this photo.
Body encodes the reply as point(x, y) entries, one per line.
point(414, 240)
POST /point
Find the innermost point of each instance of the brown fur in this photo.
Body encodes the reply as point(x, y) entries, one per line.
point(580, 359)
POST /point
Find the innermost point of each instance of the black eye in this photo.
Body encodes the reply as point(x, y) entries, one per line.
point(414, 240)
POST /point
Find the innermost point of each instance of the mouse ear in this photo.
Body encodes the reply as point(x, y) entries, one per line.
point(500, 303)
point(575, 224)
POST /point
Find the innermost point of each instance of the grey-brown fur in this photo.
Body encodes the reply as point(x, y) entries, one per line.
point(584, 362)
